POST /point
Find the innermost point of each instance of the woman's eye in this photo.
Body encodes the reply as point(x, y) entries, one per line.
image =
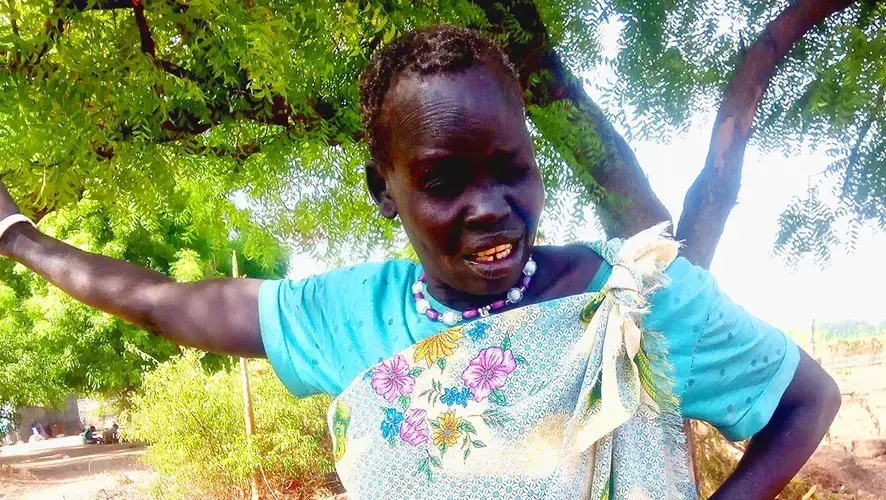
point(511, 173)
point(441, 186)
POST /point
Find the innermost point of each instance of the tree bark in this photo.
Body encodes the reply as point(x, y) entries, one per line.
point(715, 191)
point(600, 157)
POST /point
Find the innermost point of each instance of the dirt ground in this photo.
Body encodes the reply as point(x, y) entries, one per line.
point(64, 468)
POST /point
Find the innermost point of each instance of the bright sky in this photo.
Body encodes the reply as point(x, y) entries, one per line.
point(744, 264)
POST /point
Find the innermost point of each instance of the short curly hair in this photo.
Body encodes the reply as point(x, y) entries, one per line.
point(425, 51)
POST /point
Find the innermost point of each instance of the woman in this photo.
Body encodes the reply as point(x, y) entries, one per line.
point(494, 368)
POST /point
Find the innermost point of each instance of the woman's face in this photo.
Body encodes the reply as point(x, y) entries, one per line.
point(460, 172)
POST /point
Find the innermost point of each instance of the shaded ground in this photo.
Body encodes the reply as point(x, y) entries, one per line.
point(64, 468)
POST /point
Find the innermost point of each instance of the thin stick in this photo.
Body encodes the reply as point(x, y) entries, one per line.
point(248, 414)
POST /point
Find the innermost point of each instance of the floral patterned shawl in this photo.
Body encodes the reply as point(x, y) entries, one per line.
point(562, 399)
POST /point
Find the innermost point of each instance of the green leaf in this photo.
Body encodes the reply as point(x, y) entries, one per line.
point(442, 364)
point(520, 359)
point(416, 371)
point(537, 388)
point(506, 343)
point(467, 452)
point(435, 424)
point(588, 311)
point(498, 398)
point(478, 444)
point(404, 402)
point(467, 427)
point(494, 417)
point(595, 395)
point(435, 461)
point(607, 490)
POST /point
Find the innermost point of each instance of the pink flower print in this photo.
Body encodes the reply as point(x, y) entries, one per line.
point(488, 371)
point(414, 430)
point(391, 379)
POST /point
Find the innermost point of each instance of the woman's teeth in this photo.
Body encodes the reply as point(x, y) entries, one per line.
point(494, 253)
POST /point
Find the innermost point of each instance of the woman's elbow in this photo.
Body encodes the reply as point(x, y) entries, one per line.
point(821, 404)
point(831, 398)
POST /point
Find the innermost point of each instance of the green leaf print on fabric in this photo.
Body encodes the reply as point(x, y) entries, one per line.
point(494, 417)
point(404, 402)
point(341, 419)
point(595, 396)
point(644, 367)
point(498, 398)
point(587, 313)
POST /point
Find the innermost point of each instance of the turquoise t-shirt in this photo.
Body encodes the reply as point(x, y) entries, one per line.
point(730, 368)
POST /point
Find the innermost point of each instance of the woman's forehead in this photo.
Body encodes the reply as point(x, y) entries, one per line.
point(469, 111)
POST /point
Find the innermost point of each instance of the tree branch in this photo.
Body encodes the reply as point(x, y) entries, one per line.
point(629, 205)
point(144, 31)
point(715, 191)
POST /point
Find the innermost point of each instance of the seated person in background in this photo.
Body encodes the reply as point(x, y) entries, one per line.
point(112, 435)
point(89, 436)
point(36, 436)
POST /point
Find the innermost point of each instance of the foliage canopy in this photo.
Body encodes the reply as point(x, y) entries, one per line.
point(132, 104)
point(53, 346)
point(145, 128)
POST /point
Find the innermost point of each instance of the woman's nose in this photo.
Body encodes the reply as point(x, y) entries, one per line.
point(487, 207)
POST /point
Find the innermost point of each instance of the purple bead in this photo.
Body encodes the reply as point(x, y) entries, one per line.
point(432, 314)
point(498, 304)
point(470, 313)
point(423, 277)
point(418, 296)
point(525, 281)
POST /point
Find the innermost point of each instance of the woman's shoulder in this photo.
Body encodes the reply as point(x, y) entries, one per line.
point(366, 273)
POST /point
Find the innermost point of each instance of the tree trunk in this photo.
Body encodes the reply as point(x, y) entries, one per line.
point(598, 154)
point(715, 191)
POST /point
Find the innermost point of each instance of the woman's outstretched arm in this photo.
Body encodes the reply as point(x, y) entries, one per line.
point(218, 315)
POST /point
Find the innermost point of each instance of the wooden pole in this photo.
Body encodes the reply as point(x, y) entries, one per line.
point(248, 413)
point(812, 340)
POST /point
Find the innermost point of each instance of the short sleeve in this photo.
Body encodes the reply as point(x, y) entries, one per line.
point(730, 368)
point(321, 332)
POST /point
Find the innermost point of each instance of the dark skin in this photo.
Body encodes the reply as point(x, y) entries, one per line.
point(459, 170)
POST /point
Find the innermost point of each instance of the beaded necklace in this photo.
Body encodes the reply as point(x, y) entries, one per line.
point(451, 318)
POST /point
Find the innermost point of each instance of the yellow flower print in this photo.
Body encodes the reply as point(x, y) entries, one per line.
point(446, 431)
point(437, 346)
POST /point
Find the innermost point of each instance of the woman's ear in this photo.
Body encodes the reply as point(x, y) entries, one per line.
point(378, 188)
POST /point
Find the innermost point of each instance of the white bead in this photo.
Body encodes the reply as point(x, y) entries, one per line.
point(422, 305)
point(418, 287)
point(515, 295)
point(449, 318)
point(529, 268)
